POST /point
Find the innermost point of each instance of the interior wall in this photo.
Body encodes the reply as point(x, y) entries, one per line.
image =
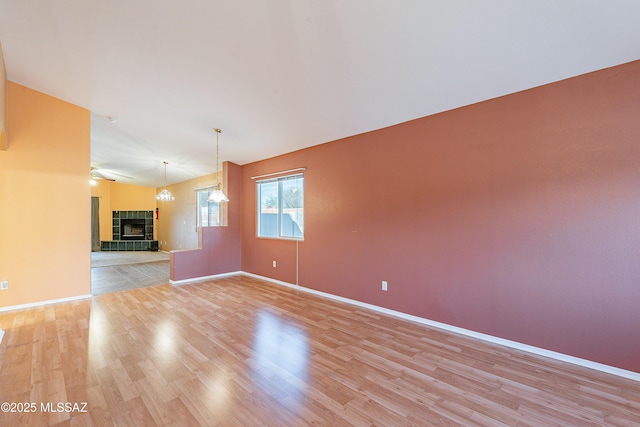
point(516, 217)
point(102, 190)
point(177, 219)
point(3, 101)
point(128, 197)
point(44, 199)
point(219, 247)
point(117, 196)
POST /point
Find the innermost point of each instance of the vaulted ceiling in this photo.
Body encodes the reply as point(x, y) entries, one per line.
point(280, 75)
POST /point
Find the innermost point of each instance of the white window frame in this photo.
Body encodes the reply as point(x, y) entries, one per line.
point(279, 235)
point(199, 217)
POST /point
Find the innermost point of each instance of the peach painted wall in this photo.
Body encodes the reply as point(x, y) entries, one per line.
point(127, 197)
point(516, 217)
point(116, 196)
point(177, 218)
point(44, 199)
point(3, 102)
point(219, 248)
point(102, 190)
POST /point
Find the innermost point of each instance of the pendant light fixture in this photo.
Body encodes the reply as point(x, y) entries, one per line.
point(217, 195)
point(165, 195)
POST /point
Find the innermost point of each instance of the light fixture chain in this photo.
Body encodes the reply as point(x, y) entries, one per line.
point(217, 195)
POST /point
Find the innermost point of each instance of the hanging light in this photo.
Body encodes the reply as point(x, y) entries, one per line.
point(165, 195)
point(217, 195)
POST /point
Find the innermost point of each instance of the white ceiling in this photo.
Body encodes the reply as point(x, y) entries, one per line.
point(280, 75)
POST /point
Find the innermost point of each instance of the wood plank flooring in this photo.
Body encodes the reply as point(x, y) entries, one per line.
point(242, 352)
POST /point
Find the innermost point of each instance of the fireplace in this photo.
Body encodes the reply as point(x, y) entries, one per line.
point(132, 229)
point(132, 225)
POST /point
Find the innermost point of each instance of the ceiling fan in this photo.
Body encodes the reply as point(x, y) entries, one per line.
point(96, 174)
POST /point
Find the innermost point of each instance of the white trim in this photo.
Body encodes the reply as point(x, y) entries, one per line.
point(279, 282)
point(205, 187)
point(203, 278)
point(635, 376)
point(279, 173)
point(39, 303)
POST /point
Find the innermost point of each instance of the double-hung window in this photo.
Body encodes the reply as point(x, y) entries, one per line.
point(281, 207)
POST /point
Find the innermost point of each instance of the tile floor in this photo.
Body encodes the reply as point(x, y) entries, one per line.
point(123, 275)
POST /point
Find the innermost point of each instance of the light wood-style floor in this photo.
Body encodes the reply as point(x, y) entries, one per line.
point(243, 352)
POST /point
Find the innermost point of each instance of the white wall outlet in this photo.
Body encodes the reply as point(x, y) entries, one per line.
point(384, 285)
point(274, 264)
point(4, 285)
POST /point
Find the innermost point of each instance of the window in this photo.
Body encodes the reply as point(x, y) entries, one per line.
point(208, 213)
point(281, 207)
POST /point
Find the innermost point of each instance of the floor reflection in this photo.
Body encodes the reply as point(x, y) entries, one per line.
point(280, 358)
point(99, 329)
point(165, 337)
point(218, 391)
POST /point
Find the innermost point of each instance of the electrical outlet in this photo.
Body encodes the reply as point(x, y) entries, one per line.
point(384, 285)
point(274, 264)
point(4, 285)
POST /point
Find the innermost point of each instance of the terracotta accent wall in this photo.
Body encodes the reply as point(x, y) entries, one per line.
point(219, 247)
point(44, 199)
point(516, 217)
point(176, 227)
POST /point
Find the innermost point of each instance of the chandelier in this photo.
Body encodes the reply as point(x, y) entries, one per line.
point(165, 195)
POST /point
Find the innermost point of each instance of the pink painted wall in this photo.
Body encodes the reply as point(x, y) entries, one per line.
point(516, 217)
point(219, 247)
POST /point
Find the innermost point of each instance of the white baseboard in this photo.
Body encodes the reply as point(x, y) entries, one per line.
point(454, 329)
point(484, 337)
point(39, 303)
point(203, 278)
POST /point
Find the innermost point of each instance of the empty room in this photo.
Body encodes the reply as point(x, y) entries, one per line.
point(290, 213)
